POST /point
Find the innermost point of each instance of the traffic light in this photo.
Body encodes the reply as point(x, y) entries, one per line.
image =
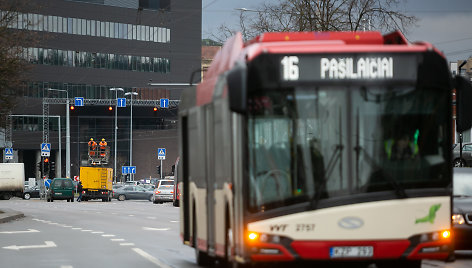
point(46, 166)
point(110, 108)
point(72, 107)
point(52, 168)
point(40, 167)
point(155, 109)
point(158, 170)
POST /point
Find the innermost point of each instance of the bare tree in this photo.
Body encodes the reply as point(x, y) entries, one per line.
point(13, 66)
point(323, 15)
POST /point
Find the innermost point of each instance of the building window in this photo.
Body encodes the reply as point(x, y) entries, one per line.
point(155, 4)
point(56, 24)
point(83, 59)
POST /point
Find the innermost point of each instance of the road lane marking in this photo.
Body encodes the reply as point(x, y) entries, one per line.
point(117, 239)
point(174, 221)
point(48, 244)
point(131, 215)
point(77, 228)
point(86, 230)
point(108, 235)
point(67, 266)
point(20, 232)
point(151, 218)
point(97, 232)
point(150, 258)
point(126, 244)
point(155, 229)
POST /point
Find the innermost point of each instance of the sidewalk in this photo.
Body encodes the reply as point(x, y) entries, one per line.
point(9, 215)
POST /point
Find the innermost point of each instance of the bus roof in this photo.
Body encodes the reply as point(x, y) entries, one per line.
point(301, 42)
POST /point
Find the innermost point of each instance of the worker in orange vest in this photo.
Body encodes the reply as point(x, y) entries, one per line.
point(103, 146)
point(92, 147)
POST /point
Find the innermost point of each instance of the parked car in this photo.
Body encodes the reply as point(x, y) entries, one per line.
point(31, 192)
point(164, 191)
point(165, 182)
point(61, 189)
point(466, 159)
point(462, 208)
point(150, 187)
point(132, 192)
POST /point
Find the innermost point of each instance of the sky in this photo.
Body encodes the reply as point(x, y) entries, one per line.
point(447, 24)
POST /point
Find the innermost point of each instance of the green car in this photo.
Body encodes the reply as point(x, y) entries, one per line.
point(61, 189)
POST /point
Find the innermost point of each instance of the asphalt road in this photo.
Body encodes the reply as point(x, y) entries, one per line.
point(96, 234)
point(93, 234)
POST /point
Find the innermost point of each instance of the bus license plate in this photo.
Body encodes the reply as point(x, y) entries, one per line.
point(351, 252)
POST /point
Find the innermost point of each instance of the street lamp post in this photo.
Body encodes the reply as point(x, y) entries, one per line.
point(67, 133)
point(131, 130)
point(116, 125)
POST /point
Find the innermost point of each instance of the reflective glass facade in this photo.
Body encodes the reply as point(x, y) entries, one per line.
point(77, 26)
point(59, 57)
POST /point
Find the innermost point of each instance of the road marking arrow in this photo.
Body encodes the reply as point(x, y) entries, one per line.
point(48, 244)
point(20, 232)
point(155, 229)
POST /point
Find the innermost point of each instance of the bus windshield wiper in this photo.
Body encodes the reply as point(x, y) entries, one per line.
point(399, 191)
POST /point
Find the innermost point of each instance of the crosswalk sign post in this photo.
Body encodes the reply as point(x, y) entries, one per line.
point(8, 153)
point(45, 149)
point(161, 155)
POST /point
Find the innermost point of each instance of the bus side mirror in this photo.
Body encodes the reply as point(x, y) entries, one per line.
point(237, 89)
point(463, 104)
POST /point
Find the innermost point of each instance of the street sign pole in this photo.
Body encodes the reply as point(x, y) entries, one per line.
point(161, 169)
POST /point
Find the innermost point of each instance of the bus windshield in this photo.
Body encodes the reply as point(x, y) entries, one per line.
point(315, 144)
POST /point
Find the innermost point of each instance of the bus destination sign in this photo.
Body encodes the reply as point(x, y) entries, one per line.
point(348, 67)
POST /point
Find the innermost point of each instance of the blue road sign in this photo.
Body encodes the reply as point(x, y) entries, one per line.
point(79, 101)
point(164, 103)
point(124, 169)
point(45, 149)
point(47, 183)
point(161, 154)
point(128, 169)
point(121, 102)
point(8, 151)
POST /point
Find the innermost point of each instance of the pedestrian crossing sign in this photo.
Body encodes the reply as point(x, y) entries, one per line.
point(161, 154)
point(45, 149)
point(8, 153)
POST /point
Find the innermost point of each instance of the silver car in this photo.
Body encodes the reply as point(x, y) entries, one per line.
point(164, 191)
point(132, 192)
point(466, 160)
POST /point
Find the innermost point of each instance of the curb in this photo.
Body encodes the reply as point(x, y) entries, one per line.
point(10, 215)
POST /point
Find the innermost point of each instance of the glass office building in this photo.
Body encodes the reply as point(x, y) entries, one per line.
point(87, 47)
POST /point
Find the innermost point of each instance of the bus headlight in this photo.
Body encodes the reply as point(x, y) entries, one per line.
point(253, 236)
point(435, 236)
point(458, 219)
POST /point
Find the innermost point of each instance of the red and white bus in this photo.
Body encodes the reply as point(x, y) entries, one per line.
point(319, 146)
